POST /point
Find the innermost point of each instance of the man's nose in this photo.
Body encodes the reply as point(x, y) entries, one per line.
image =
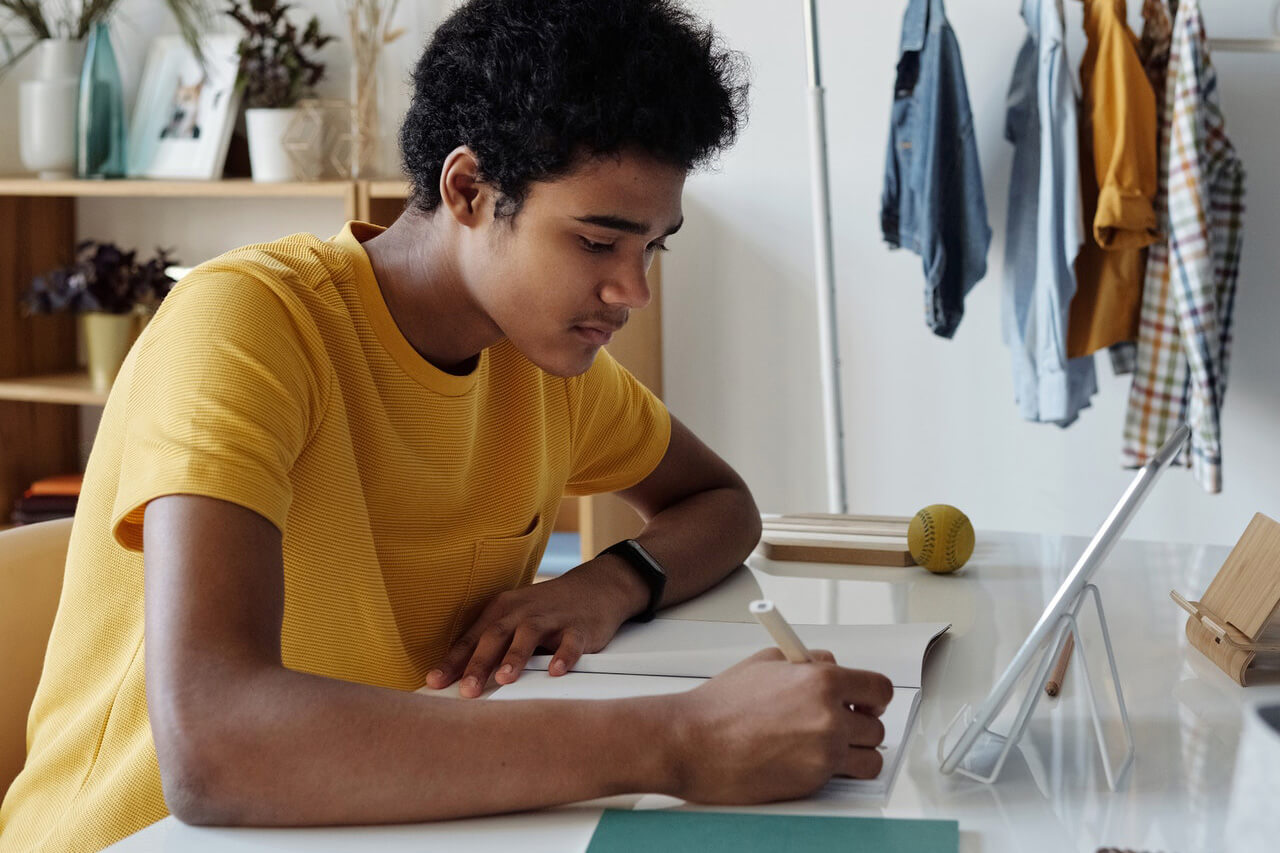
point(629, 287)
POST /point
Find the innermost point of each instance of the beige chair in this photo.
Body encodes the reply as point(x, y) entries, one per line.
point(31, 564)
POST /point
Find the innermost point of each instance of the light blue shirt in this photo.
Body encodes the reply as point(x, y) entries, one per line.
point(1045, 225)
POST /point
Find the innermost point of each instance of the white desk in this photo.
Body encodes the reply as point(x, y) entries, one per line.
point(1051, 796)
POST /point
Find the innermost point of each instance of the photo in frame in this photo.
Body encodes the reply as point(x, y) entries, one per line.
point(184, 113)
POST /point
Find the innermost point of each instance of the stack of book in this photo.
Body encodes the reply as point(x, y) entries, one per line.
point(864, 540)
point(47, 499)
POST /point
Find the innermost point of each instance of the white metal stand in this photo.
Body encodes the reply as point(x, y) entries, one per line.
point(828, 327)
point(825, 283)
point(987, 755)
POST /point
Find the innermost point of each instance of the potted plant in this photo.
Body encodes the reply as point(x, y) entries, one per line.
point(277, 69)
point(55, 34)
point(111, 292)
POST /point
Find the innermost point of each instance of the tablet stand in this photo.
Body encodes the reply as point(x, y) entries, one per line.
point(987, 755)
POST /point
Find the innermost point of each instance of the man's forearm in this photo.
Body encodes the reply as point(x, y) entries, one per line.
point(288, 748)
point(698, 541)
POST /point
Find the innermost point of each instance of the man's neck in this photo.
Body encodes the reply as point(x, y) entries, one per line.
point(423, 288)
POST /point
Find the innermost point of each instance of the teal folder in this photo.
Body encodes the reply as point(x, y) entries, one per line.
point(724, 832)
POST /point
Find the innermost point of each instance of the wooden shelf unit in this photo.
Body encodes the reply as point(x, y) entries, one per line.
point(37, 233)
point(72, 389)
point(389, 189)
point(38, 354)
point(381, 202)
point(144, 188)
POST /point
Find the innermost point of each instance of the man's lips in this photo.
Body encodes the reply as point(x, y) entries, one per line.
point(596, 334)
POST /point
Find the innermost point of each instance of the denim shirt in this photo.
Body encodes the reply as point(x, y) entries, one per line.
point(1045, 225)
point(933, 202)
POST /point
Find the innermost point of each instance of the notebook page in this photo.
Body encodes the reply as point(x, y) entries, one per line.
point(687, 647)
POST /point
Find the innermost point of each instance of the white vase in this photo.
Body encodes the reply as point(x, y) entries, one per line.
point(47, 109)
point(269, 160)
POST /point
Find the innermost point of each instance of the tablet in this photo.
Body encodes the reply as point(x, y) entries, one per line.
point(1066, 597)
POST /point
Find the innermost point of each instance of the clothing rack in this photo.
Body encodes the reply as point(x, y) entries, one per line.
point(1246, 45)
point(828, 328)
point(1266, 45)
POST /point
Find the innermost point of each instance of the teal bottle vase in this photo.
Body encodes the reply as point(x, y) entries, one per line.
point(100, 124)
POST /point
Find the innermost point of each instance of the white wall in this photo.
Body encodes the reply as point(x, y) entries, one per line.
point(927, 420)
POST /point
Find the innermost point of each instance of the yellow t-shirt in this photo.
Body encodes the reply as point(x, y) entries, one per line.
point(274, 377)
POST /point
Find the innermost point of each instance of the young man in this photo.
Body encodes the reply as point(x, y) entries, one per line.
point(328, 469)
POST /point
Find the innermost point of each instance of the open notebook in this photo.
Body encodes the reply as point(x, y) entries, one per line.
point(672, 655)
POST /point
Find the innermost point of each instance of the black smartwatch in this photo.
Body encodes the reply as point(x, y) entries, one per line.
point(650, 571)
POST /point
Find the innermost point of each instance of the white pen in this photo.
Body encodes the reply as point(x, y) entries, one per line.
point(783, 634)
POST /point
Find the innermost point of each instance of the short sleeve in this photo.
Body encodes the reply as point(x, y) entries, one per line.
point(223, 389)
point(620, 429)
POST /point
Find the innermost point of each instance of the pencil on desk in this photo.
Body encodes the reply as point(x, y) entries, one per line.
point(1054, 685)
point(769, 616)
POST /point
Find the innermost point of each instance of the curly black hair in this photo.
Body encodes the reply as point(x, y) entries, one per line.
point(533, 86)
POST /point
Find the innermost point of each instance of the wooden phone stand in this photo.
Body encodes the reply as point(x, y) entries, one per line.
point(1234, 620)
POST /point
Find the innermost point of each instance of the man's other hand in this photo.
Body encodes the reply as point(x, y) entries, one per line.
point(576, 613)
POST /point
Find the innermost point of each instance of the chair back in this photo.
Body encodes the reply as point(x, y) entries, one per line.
point(32, 558)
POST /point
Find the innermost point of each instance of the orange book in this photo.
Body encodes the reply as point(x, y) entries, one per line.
point(61, 484)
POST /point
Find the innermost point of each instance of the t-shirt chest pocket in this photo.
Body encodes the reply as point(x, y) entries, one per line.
point(499, 565)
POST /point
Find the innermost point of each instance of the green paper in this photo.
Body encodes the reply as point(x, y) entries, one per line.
point(724, 832)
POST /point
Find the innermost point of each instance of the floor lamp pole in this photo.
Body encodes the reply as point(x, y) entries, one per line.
point(837, 499)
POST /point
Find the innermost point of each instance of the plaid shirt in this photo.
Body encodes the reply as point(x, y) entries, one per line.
point(1184, 335)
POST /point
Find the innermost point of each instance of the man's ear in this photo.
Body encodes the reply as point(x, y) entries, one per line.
point(468, 199)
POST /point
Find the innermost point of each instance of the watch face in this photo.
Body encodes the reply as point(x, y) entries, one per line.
point(652, 564)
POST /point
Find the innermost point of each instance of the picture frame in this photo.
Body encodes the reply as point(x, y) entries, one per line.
point(184, 112)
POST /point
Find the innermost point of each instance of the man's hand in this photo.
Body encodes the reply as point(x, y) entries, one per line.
point(576, 613)
point(767, 730)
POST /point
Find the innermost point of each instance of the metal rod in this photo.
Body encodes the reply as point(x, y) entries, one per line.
point(1266, 45)
point(828, 327)
point(811, 43)
point(1246, 45)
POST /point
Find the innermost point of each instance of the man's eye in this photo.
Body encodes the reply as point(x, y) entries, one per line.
point(592, 246)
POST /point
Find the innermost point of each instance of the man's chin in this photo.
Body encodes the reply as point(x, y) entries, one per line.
point(565, 363)
point(578, 367)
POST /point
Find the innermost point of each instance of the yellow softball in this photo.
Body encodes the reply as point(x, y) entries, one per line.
point(940, 538)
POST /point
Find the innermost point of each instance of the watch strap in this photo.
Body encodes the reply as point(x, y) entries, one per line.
point(649, 570)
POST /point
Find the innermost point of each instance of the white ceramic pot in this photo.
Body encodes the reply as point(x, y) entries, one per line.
point(47, 109)
point(269, 160)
